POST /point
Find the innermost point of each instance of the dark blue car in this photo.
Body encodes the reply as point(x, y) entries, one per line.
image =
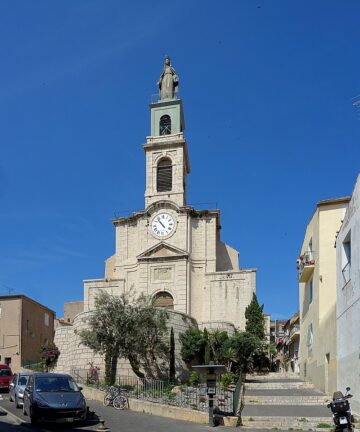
point(53, 397)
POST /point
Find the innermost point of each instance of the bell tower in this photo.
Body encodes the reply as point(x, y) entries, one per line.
point(167, 162)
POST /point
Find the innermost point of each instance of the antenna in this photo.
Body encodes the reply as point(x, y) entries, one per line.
point(8, 289)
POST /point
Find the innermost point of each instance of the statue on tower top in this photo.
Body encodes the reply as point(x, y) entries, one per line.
point(168, 82)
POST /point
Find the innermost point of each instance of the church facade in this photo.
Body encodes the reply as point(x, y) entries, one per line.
point(170, 251)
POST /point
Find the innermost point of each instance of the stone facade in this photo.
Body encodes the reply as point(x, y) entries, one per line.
point(71, 309)
point(348, 296)
point(170, 250)
point(75, 357)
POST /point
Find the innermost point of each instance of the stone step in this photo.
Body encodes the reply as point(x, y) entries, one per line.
point(286, 423)
point(288, 411)
point(287, 400)
point(279, 385)
point(274, 375)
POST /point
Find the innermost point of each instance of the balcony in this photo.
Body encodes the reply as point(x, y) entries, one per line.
point(305, 265)
point(294, 332)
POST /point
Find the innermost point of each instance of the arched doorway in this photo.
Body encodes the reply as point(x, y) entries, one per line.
point(164, 300)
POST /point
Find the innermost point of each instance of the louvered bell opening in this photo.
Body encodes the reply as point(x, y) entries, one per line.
point(164, 176)
point(165, 125)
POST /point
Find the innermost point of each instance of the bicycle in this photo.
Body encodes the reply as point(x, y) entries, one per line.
point(121, 401)
point(110, 395)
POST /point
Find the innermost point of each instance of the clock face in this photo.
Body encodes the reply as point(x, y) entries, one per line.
point(162, 225)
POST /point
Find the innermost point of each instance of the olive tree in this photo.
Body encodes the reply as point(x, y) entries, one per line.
point(128, 327)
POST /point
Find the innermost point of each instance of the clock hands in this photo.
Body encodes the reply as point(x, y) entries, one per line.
point(161, 223)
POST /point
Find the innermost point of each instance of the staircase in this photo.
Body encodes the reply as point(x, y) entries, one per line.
point(284, 402)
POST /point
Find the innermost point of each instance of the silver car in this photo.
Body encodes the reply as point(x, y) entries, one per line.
point(17, 387)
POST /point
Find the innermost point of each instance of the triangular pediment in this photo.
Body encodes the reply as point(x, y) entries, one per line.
point(162, 250)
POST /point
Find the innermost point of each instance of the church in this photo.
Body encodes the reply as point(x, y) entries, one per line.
point(170, 251)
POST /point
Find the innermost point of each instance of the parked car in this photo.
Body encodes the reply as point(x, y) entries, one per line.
point(5, 376)
point(53, 397)
point(17, 387)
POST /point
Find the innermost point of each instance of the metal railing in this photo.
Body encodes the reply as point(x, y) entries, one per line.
point(294, 329)
point(346, 272)
point(155, 98)
point(184, 396)
point(307, 258)
point(162, 392)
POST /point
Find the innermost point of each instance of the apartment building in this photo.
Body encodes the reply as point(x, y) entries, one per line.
point(291, 343)
point(277, 331)
point(317, 291)
point(348, 300)
point(25, 325)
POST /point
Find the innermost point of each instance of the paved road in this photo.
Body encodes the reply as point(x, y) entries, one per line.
point(116, 421)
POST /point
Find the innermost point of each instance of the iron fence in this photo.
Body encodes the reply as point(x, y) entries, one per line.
point(163, 392)
point(184, 396)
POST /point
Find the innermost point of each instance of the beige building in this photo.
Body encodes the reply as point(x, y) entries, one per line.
point(292, 343)
point(25, 325)
point(267, 320)
point(71, 309)
point(171, 252)
point(317, 289)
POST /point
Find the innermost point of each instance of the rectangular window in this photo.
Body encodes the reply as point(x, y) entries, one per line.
point(310, 250)
point(310, 290)
point(46, 319)
point(0, 310)
point(346, 259)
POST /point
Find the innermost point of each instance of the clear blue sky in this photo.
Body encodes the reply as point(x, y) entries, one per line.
point(267, 88)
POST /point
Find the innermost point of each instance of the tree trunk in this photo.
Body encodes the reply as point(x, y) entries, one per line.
point(172, 357)
point(135, 366)
point(108, 368)
point(113, 368)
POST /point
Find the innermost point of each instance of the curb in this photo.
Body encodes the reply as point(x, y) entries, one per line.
point(17, 419)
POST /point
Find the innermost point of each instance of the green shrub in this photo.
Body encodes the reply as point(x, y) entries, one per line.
point(194, 378)
point(226, 379)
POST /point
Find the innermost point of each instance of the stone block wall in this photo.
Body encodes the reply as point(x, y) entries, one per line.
point(75, 357)
point(218, 325)
point(227, 294)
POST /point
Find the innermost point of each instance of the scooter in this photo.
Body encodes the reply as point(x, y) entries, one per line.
point(341, 411)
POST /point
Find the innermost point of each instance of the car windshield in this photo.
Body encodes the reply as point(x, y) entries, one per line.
point(5, 372)
point(23, 379)
point(55, 384)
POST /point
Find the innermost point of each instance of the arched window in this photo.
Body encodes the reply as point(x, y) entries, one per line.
point(165, 125)
point(164, 175)
point(164, 300)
